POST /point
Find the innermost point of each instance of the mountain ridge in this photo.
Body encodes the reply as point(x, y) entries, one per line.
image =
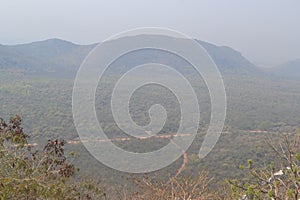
point(290, 69)
point(64, 57)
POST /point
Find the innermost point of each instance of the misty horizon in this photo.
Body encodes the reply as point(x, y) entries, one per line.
point(265, 32)
point(98, 42)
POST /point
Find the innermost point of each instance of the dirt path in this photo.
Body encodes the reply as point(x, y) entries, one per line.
point(169, 136)
point(127, 138)
point(184, 154)
point(184, 162)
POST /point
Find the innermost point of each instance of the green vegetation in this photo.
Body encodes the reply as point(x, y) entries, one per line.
point(273, 105)
point(36, 82)
point(26, 173)
point(279, 179)
point(29, 174)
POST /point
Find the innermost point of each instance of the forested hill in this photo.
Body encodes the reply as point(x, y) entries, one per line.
point(230, 60)
point(50, 56)
point(59, 57)
point(290, 69)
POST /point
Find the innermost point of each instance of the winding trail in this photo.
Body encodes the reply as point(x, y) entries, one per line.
point(184, 162)
point(169, 136)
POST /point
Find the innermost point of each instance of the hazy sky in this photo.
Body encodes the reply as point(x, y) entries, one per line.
point(266, 31)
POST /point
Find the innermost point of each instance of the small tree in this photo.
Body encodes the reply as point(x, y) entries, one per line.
point(279, 180)
point(30, 174)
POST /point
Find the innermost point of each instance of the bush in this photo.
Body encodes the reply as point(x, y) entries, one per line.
point(26, 173)
point(278, 180)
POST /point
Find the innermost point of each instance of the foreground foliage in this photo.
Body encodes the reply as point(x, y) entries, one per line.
point(279, 180)
point(30, 174)
point(175, 188)
point(26, 173)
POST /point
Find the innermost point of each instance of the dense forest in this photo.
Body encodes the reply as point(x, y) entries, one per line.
point(49, 173)
point(41, 152)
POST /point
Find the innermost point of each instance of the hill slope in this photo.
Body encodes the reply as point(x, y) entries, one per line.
point(51, 56)
point(63, 57)
point(290, 69)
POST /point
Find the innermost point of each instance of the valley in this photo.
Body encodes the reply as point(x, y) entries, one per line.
point(260, 106)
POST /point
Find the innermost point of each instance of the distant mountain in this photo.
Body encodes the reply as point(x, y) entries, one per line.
point(52, 56)
point(62, 57)
point(290, 69)
point(230, 60)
